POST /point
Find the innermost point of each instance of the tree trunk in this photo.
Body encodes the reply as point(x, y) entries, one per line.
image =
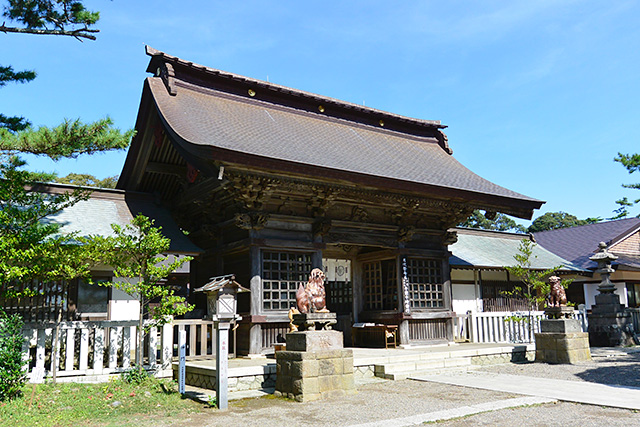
point(140, 337)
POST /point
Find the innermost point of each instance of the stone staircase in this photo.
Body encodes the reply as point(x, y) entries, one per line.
point(398, 370)
point(399, 366)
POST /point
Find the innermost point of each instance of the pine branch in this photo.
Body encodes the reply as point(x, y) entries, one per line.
point(84, 33)
point(8, 75)
point(69, 139)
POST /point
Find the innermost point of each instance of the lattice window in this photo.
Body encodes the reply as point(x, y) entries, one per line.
point(282, 273)
point(425, 283)
point(338, 285)
point(372, 282)
point(380, 285)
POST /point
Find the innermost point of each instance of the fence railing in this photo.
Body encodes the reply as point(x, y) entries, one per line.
point(506, 326)
point(201, 338)
point(92, 351)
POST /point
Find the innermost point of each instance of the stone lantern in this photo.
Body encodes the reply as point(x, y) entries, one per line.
point(222, 302)
point(609, 324)
point(222, 297)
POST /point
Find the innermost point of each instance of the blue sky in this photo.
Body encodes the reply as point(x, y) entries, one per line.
point(539, 96)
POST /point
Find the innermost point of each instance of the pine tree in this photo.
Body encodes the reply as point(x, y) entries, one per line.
point(30, 249)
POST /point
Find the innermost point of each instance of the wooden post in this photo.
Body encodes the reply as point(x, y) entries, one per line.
point(473, 333)
point(222, 364)
point(255, 333)
point(182, 368)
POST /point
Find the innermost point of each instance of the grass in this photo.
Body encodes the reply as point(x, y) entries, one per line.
point(114, 403)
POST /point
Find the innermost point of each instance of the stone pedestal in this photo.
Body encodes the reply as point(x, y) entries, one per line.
point(562, 341)
point(609, 324)
point(314, 366)
point(313, 321)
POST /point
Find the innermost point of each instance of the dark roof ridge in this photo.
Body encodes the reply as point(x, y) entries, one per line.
point(239, 98)
point(96, 192)
point(480, 231)
point(595, 224)
point(628, 232)
point(154, 53)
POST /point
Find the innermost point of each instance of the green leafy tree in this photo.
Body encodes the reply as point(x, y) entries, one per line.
point(86, 180)
point(135, 255)
point(12, 373)
point(31, 249)
point(534, 287)
point(501, 222)
point(555, 220)
point(631, 163)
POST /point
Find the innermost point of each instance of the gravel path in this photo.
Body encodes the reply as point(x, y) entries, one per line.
point(399, 399)
point(623, 370)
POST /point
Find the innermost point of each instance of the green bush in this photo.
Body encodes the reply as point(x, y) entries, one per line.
point(12, 373)
point(135, 375)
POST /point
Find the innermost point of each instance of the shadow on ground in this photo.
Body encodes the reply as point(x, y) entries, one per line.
point(622, 371)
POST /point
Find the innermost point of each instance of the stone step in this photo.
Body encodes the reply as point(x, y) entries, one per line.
point(397, 376)
point(419, 365)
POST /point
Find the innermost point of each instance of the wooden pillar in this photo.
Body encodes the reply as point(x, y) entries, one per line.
point(403, 332)
point(448, 295)
point(356, 283)
point(316, 259)
point(255, 333)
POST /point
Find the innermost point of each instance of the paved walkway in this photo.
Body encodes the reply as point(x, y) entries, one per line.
point(463, 411)
point(568, 391)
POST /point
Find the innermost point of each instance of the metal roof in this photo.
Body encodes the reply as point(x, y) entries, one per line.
point(493, 249)
point(577, 244)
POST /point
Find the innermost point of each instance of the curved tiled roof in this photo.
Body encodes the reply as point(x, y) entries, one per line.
point(208, 117)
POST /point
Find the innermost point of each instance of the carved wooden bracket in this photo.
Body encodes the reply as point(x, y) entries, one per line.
point(322, 200)
point(251, 191)
point(405, 234)
point(358, 214)
point(251, 220)
point(453, 214)
point(404, 211)
point(449, 238)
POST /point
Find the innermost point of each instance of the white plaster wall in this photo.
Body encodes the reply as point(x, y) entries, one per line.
point(465, 298)
point(122, 306)
point(591, 290)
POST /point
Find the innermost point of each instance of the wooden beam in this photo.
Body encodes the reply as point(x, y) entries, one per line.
point(166, 169)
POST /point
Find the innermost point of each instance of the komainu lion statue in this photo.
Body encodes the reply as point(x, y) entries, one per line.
point(557, 295)
point(312, 297)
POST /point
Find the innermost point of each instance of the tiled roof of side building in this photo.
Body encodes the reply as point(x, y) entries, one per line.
point(577, 244)
point(105, 207)
point(495, 249)
point(236, 125)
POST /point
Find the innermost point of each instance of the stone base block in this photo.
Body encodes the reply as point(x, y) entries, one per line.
point(314, 341)
point(560, 325)
point(562, 347)
point(313, 375)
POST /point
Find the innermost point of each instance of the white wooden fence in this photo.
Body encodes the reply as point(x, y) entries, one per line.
point(94, 351)
point(502, 326)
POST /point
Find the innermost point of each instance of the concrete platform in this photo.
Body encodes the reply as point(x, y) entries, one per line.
point(393, 364)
